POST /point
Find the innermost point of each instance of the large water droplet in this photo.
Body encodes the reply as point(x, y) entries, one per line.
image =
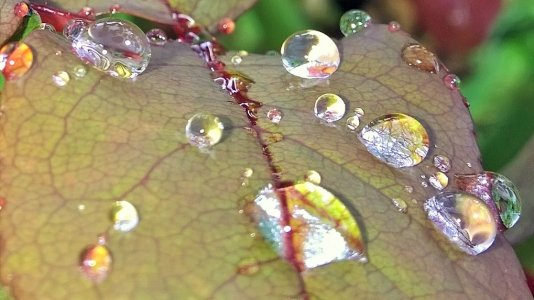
point(418, 56)
point(274, 115)
point(124, 216)
point(115, 46)
point(95, 262)
point(16, 59)
point(442, 163)
point(156, 37)
point(464, 219)
point(439, 180)
point(310, 54)
point(354, 21)
point(396, 139)
point(490, 186)
point(204, 130)
point(61, 78)
point(22, 9)
point(329, 107)
point(308, 225)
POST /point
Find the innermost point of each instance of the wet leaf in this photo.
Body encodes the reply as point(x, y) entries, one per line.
point(9, 22)
point(68, 153)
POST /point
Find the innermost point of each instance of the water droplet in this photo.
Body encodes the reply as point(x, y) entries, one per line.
point(274, 115)
point(322, 229)
point(452, 81)
point(46, 26)
point(353, 122)
point(124, 216)
point(16, 59)
point(22, 9)
point(248, 172)
point(236, 60)
point(79, 71)
point(87, 11)
point(424, 184)
point(394, 26)
point(313, 177)
point(418, 56)
point(494, 187)
point(442, 163)
point(354, 21)
point(114, 8)
point(95, 262)
point(115, 46)
point(329, 107)
point(156, 37)
point(400, 204)
point(204, 130)
point(59, 52)
point(396, 139)
point(242, 53)
point(464, 219)
point(81, 207)
point(272, 53)
point(61, 78)
point(359, 111)
point(469, 165)
point(226, 26)
point(310, 54)
point(439, 180)
point(408, 188)
point(248, 266)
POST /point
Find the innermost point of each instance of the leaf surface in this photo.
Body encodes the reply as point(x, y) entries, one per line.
point(68, 153)
point(9, 22)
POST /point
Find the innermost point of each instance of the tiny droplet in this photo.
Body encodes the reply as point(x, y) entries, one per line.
point(394, 26)
point(87, 12)
point(61, 78)
point(156, 37)
point(452, 81)
point(274, 115)
point(354, 21)
point(329, 107)
point(442, 163)
point(236, 60)
point(124, 216)
point(226, 26)
point(114, 8)
point(95, 262)
point(313, 177)
point(79, 71)
point(439, 180)
point(400, 204)
point(22, 9)
point(419, 57)
point(353, 122)
point(204, 130)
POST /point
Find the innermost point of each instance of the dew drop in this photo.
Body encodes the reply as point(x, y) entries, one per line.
point(95, 262)
point(156, 37)
point(452, 81)
point(424, 184)
point(204, 130)
point(248, 172)
point(114, 8)
point(124, 216)
point(313, 177)
point(408, 188)
point(46, 26)
point(469, 165)
point(59, 53)
point(354, 21)
point(418, 56)
point(248, 267)
point(226, 26)
point(329, 107)
point(495, 187)
point(16, 59)
point(22, 9)
point(321, 228)
point(236, 60)
point(359, 111)
point(464, 219)
point(87, 12)
point(353, 122)
point(394, 26)
point(274, 115)
point(81, 207)
point(442, 163)
point(439, 180)
point(79, 71)
point(400, 204)
point(242, 53)
point(310, 54)
point(396, 139)
point(115, 46)
point(61, 78)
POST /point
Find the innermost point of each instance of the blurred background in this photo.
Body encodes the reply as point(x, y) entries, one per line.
point(488, 43)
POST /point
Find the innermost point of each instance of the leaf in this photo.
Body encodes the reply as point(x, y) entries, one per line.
point(67, 154)
point(9, 22)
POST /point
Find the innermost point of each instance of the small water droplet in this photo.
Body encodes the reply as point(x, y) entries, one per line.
point(115, 46)
point(95, 262)
point(204, 130)
point(79, 71)
point(59, 52)
point(124, 216)
point(464, 219)
point(242, 53)
point(61, 78)
point(400, 204)
point(114, 8)
point(316, 238)
point(248, 172)
point(359, 111)
point(87, 11)
point(418, 56)
point(310, 54)
point(226, 26)
point(354, 21)
point(248, 267)
point(236, 60)
point(396, 139)
point(469, 165)
point(274, 115)
point(494, 188)
point(329, 107)
point(272, 53)
point(81, 207)
point(156, 37)
point(394, 26)
point(424, 184)
point(442, 163)
point(439, 180)
point(313, 177)
point(353, 122)
point(22, 9)
point(46, 26)
point(452, 81)
point(16, 59)
point(408, 188)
